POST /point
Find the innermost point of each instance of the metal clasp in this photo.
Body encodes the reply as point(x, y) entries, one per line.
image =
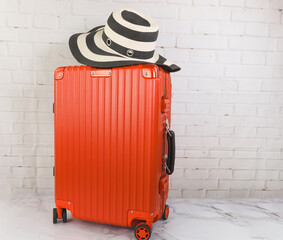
point(167, 127)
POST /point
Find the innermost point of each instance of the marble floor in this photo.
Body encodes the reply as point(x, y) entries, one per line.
point(30, 218)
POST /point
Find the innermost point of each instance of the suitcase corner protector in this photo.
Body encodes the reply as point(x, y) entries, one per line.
point(59, 73)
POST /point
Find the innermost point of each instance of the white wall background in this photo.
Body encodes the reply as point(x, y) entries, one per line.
point(227, 100)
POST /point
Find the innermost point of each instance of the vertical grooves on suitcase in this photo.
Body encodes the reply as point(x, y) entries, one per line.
point(108, 131)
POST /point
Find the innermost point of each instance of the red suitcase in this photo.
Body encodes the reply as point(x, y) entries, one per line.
point(113, 146)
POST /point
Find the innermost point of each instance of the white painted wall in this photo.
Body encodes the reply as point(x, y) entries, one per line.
point(227, 100)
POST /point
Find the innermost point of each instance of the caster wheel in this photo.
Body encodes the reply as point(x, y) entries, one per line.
point(64, 215)
point(55, 215)
point(142, 232)
point(165, 214)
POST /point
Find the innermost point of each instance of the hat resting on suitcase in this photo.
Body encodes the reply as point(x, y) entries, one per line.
point(128, 38)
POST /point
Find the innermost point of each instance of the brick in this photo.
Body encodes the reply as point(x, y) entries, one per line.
point(195, 152)
point(38, 92)
point(10, 139)
point(45, 21)
point(202, 56)
point(268, 132)
point(9, 6)
point(220, 153)
point(217, 193)
point(44, 172)
point(245, 153)
point(232, 3)
point(45, 182)
point(276, 142)
point(267, 174)
point(202, 70)
point(242, 163)
point(250, 44)
point(249, 85)
point(205, 13)
point(276, 4)
point(257, 3)
point(29, 182)
point(43, 161)
point(257, 29)
point(254, 58)
point(24, 105)
point(278, 72)
point(23, 171)
point(270, 153)
point(5, 172)
point(250, 98)
point(274, 164)
point(255, 15)
point(211, 84)
point(46, 7)
point(178, 26)
point(72, 22)
point(220, 174)
point(196, 173)
point(272, 85)
point(19, 20)
point(205, 2)
point(241, 142)
point(9, 63)
point(245, 131)
point(223, 109)
point(249, 71)
point(266, 193)
point(11, 116)
point(196, 98)
point(231, 28)
point(276, 30)
point(38, 117)
point(202, 27)
point(274, 185)
point(24, 77)
point(194, 184)
point(196, 162)
point(241, 184)
point(20, 49)
point(166, 40)
point(9, 34)
point(193, 193)
point(202, 42)
point(245, 110)
point(194, 119)
point(229, 57)
point(198, 108)
point(243, 121)
point(197, 141)
point(244, 174)
point(274, 59)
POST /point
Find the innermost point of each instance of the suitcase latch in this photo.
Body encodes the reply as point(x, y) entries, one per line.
point(165, 105)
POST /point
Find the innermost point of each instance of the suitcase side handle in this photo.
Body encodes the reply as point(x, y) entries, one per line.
point(170, 160)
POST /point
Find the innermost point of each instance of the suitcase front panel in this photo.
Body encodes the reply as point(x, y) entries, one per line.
point(108, 143)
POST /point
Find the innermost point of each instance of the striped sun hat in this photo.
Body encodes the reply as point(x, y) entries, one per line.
point(128, 38)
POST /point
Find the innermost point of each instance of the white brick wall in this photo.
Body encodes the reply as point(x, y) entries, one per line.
point(227, 100)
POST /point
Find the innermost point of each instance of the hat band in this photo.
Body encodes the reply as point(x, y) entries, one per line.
point(131, 34)
point(125, 51)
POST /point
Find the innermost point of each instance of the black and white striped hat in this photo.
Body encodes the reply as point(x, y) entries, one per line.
point(128, 38)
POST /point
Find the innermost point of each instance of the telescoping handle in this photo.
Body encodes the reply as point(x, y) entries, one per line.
point(170, 160)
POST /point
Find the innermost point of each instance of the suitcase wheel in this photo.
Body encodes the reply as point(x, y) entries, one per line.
point(165, 214)
point(64, 215)
point(142, 232)
point(55, 215)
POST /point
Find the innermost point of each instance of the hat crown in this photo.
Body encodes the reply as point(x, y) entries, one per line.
point(131, 34)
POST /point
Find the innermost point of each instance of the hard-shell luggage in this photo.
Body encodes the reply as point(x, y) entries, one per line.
point(114, 149)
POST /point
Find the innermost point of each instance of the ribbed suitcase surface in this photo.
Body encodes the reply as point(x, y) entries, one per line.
point(110, 142)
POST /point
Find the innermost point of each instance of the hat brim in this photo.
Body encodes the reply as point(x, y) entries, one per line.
point(90, 49)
